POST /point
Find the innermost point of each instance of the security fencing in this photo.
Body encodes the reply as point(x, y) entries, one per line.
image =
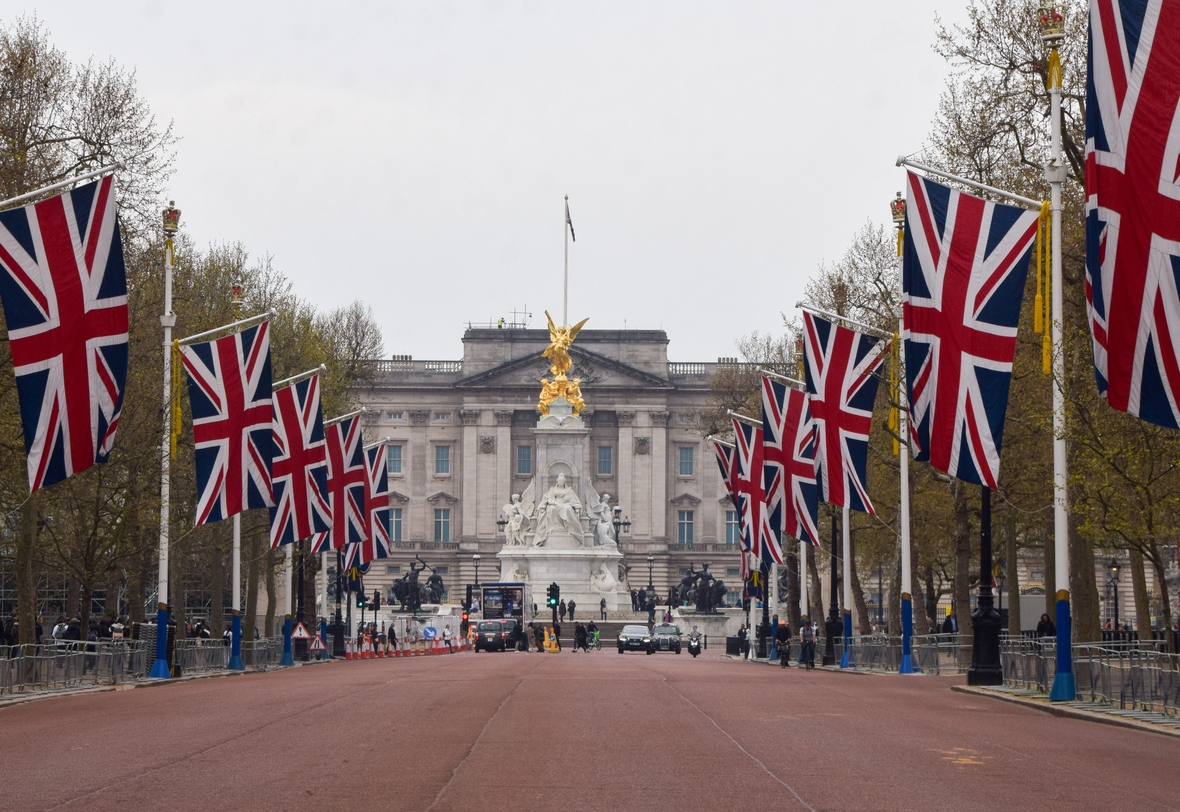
point(63, 665)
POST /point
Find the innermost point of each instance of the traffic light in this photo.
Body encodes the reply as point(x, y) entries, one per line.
point(376, 600)
point(360, 600)
point(467, 604)
point(553, 593)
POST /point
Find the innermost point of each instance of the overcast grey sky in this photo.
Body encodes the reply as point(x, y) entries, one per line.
point(415, 155)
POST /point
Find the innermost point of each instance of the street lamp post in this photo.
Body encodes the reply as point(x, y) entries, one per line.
point(475, 561)
point(160, 669)
point(650, 587)
point(834, 626)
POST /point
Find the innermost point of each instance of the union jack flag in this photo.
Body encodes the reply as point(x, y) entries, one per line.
point(727, 462)
point(377, 512)
point(963, 271)
point(788, 443)
point(1133, 205)
point(300, 468)
point(838, 364)
point(64, 289)
point(229, 392)
point(346, 486)
point(748, 483)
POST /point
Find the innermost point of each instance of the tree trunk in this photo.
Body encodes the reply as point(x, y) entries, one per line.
point(1011, 554)
point(136, 581)
point(26, 583)
point(930, 621)
point(85, 594)
point(72, 599)
point(858, 594)
point(309, 584)
point(918, 597)
point(1157, 562)
point(894, 618)
point(962, 586)
point(1139, 584)
point(1083, 590)
point(110, 605)
point(271, 597)
point(794, 614)
point(815, 595)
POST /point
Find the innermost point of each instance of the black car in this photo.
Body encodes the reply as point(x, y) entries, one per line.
point(635, 638)
point(490, 636)
point(665, 637)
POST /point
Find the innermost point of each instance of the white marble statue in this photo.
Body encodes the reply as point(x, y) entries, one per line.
point(519, 515)
point(601, 579)
point(518, 572)
point(601, 516)
point(559, 510)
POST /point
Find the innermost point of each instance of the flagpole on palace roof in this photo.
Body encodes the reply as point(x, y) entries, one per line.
point(1052, 23)
point(565, 291)
point(160, 668)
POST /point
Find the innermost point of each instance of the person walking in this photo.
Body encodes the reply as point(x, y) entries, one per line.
point(592, 634)
point(602, 608)
point(580, 639)
point(557, 636)
point(742, 634)
point(447, 639)
point(561, 610)
point(807, 644)
point(570, 607)
point(1046, 628)
point(538, 636)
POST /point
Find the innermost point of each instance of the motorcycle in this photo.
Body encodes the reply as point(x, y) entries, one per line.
point(694, 645)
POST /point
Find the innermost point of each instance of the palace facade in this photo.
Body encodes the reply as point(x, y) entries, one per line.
point(460, 441)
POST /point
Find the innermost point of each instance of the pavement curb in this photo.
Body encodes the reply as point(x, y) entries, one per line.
point(1067, 712)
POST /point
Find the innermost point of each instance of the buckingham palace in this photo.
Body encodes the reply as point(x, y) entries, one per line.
point(461, 442)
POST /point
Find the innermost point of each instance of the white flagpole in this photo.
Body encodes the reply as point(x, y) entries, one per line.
point(903, 428)
point(1064, 685)
point(160, 668)
point(288, 575)
point(235, 657)
point(846, 659)
point(565, 295)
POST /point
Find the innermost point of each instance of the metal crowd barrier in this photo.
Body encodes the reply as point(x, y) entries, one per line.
point(62, 665)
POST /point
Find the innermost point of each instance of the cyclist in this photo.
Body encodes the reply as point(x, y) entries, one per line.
point(807, 644)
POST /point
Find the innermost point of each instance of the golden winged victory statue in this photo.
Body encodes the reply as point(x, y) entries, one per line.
point(560, 339)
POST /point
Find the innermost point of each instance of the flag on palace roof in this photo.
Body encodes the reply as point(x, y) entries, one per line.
point(346, 485)
point(963, 273)
point(788, 443)
point(64, 291)
point(300, 467)
point(1133, 206)
point(839, 365)
point(230, 397)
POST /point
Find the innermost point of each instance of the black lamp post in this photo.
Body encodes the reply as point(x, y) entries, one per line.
point(300, 643)
point(475, 561)
point(620, 524)
point(880, 594)
point(986, 668)
point(650, 587)
point(1113, 569)
point(339, 650)
point(833, 626)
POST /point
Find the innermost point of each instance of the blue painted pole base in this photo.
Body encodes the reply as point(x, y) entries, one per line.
point(846, 660)
point(1064, 684)
point(907, 634)
point(287, 659)
point(160, 669)
point(235, 646)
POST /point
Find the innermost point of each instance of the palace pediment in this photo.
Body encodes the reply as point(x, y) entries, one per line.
point(594, 370)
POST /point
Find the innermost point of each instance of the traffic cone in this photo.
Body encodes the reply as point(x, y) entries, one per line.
point(348, 649)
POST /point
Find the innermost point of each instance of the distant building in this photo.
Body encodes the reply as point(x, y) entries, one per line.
point(460, 445)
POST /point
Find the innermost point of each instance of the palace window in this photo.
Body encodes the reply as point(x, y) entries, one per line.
point(393, 457)
point(606, 460)
point(442, 524)
point(684, 526)
point(524, 460)
point(686, 459)
point(442, 460)
point(732, 533)
point(395, 524)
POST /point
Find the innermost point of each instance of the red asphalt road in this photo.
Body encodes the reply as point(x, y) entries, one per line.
point(568, 732)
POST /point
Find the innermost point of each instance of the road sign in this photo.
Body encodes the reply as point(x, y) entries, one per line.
point(317, 644)
point(430, 632)
point(300, 632)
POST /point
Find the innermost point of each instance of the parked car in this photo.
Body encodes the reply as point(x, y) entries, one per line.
point(489, 636)
point(635, 638)
point(665, 637)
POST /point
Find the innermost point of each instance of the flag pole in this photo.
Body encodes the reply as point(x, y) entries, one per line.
point(1064, 685)
point(846, 659)
point(160, 668)
point(1019, 200)
point(804, 612)
point(61, 184)
point(287, 658)
point(235, 654)
point(906, 666)
point(565, 291)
